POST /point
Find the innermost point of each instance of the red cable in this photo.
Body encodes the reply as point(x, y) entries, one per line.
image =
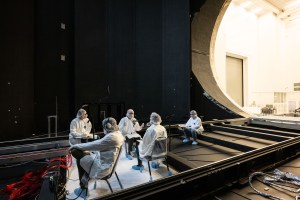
point(31, 181)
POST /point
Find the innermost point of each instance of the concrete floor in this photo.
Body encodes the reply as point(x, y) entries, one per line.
point(128, 177)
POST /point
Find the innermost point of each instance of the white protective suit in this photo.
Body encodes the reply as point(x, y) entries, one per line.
point(195, 124)
point(79, 128)
point(105, 151)
point(128, 127)
point(152, 133)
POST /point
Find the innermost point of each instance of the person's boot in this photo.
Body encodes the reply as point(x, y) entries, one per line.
point(138, 167)
point(128, 156)
point(79, 192)
point(155, 165)
point(186, 140)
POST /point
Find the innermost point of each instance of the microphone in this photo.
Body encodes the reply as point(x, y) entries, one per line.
point(134, 121)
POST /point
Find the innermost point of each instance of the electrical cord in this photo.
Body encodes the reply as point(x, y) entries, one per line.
point(279, 179)
point(259, 192)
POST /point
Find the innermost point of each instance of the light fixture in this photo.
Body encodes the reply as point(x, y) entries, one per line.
point(246, 4)
point(256, 10)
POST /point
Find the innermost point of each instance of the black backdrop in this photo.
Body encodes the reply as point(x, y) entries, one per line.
point(135, 52)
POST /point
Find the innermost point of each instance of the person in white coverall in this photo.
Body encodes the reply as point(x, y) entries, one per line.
point(147, 144)
point(193, 127)
point(80, 128)
point(129, 126)
point(105, 152)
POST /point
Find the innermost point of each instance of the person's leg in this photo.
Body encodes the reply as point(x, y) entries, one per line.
point(186, 134)
point(78, 154)
point(138, 154)
point(194, 135)
point(140, 163)
point(130, 144)
point(129, 147)
point(134, 146)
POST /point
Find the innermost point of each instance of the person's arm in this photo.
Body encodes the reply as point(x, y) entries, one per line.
point(147, 144)
point(197, 123)
point(123, 126)
point(73, 130)
point(162, 132)
point(137, 126)
point(97, 145)
point(188, 123)
point(88, 126)
point(165, 132)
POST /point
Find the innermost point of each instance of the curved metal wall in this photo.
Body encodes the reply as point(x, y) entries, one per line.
point(204, 30)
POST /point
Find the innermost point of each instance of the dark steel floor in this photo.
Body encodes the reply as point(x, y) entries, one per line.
point(246, 192)
point(215, 145)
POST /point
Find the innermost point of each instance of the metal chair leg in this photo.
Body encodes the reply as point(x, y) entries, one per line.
point(126, 148)
point(149, 170)
point(121, 186)
point(169, 172)
point(109, 185)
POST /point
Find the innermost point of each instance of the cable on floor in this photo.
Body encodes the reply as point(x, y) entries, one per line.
point(278, 179)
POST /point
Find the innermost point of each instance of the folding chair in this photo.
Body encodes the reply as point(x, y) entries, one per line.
point(159, 152)
point(112, 171)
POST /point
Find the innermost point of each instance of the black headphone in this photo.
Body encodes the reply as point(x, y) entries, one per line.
point(107, 125)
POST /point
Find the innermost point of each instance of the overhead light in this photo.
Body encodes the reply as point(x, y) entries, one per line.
point(246, 4)
point(256, 10)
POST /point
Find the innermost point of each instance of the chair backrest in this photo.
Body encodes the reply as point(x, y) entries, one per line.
point(159, 149)
point(115, 164)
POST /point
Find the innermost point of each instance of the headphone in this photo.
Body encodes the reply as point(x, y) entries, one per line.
point(107, 125)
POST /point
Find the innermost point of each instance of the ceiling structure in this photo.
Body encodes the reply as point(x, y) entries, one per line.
point(287, 10)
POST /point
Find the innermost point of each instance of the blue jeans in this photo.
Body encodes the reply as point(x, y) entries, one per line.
point(190, 132)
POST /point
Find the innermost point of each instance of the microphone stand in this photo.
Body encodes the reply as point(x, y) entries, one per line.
point(169, 119)
point(93, 125)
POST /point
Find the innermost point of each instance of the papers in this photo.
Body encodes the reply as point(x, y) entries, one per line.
point(181, 126)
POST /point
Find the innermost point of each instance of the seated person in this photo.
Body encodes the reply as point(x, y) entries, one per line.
point(80, 128)
point(146, 146)
point(106, 150)
point(128, 126)
point(192, 127)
